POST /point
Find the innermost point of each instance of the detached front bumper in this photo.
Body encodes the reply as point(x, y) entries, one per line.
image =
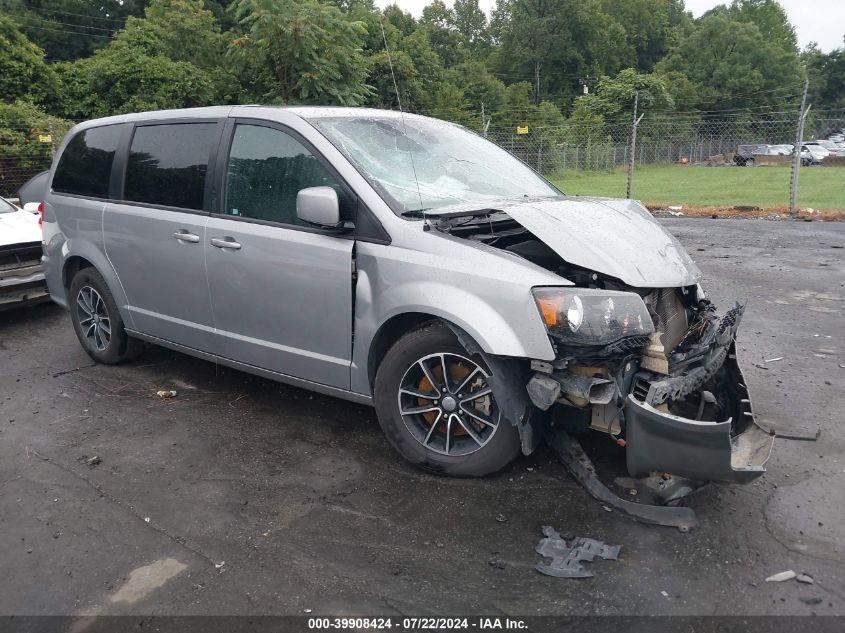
point(733, 450)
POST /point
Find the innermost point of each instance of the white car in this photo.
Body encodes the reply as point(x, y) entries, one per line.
point(21, 273)
point(813, 154)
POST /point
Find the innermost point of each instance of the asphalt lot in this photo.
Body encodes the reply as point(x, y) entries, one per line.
point(242, 496)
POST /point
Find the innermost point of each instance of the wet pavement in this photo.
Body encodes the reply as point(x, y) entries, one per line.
point(243, 496)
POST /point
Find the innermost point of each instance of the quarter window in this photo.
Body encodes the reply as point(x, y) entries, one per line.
point(168, 164)
point(84, 168)
point(267, 168)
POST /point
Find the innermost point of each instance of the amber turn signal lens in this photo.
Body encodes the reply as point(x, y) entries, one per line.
point(550, 308)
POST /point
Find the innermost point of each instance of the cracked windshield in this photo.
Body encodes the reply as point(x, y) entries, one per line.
point(452, 165)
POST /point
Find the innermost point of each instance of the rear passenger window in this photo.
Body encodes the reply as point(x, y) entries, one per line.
point(168, 164)
point(267, 168)
point(84, 168)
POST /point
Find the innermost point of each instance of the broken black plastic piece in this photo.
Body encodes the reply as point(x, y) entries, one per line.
point(581, 467)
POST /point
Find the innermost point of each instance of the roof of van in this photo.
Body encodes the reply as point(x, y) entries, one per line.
point(304, 112)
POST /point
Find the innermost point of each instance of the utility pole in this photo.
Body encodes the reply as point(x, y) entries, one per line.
point(631, 155)
point(796, 158)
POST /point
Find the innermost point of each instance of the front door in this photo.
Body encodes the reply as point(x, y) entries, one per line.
point(155, 236)
point(281, 292)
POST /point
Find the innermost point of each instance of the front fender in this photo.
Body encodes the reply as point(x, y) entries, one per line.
point(496, 310)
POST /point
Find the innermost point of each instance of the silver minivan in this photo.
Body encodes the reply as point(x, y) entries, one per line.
point(403, 262)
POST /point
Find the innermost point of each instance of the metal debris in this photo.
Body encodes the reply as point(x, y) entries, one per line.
point(501, 518)
point(498, 563)
point(784, 575)
point(566, 556)
point(773, 360)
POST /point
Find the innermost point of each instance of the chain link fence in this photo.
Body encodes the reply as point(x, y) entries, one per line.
point(27, 144)
point(670, 153)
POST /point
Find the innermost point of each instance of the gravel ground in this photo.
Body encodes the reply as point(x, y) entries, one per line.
point(242, 496)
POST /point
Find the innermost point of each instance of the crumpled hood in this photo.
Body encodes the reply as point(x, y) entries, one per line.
point(615, 237)
point(18, 227)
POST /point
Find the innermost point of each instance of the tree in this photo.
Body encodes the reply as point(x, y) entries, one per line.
point(71, 29)
point(471, 24)
point(827, 77)
point(438, 24)
point(770, 17)
point(122, 79)
point(733, 66)
point(614, 96)
point(557, 42)
point(171, 58)
point(402, 20)
point(312, 52)
point(649, 26)
point(23, 151)
point(23, 73)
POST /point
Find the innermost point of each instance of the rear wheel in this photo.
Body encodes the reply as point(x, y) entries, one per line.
point(97, 321)
point(437, 408)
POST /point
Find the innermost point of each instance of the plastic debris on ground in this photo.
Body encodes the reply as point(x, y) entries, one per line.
point(165, 394)
point(780, 577)
point(567, 554)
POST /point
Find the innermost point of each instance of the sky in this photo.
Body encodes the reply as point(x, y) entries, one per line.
point(820, 21)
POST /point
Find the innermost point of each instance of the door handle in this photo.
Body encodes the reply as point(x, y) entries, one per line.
point(220, 242)
point(184, 236)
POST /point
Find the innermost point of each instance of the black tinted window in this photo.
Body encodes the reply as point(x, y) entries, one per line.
point(167, 164)
point(267, 168)
point(85, 166)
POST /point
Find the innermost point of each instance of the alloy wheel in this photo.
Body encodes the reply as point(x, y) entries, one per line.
point(446, 403)
point(93, 318)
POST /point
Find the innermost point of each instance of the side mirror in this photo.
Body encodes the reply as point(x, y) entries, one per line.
point(32, 207)
point(318, 206)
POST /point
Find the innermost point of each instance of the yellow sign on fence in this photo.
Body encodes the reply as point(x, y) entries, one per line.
point(44, 138)
point(522, 129)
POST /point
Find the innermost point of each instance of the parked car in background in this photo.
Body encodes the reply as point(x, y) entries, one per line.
point(783, 149)
point(745, 154)
point(835, 149)
point(402, 262)
point(813, 154)
point(21, 273)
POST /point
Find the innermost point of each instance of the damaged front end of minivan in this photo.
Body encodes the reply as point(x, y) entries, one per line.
point(670, 391)
point(641, 353)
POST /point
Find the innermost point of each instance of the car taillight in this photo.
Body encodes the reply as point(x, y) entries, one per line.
point(41, 214)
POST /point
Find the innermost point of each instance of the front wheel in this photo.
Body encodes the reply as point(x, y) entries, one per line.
point(97, 321)
point(437, 408)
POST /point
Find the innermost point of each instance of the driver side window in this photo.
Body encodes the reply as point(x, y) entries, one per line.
point(266, 170)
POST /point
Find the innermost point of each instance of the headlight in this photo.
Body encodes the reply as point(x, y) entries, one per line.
point(592, 317)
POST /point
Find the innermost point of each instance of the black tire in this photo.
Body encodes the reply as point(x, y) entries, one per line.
point(114, 347)
point(503, 444)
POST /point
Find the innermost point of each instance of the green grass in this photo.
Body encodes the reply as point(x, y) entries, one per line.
point(767, 187)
